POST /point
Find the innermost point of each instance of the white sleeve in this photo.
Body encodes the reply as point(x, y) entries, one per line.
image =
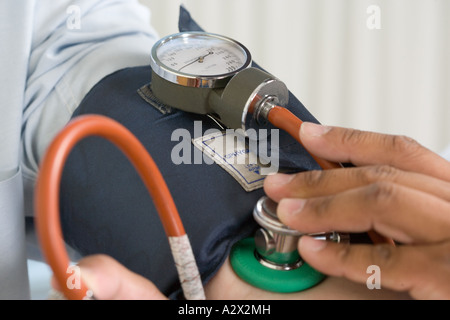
point(75, 44)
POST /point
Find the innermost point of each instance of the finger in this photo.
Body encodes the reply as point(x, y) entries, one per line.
point(109, 280)
point(398, 212)
point(318, 183)
point(422, 270)
point(368, 148)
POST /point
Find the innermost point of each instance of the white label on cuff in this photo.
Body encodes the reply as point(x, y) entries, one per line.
point(230, 151)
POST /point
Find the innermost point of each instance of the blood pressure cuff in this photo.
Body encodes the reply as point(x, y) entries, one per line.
point(105, 207)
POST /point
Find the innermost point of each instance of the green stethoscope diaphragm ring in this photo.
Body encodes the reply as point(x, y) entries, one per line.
point(248, 268)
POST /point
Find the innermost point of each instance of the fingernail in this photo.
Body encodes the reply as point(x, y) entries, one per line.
point(311, 244)
point(313, 130)
point(287, 208)
point(279, 179)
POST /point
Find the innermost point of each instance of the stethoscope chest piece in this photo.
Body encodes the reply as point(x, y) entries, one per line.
point(270, 260)
point(276, 244)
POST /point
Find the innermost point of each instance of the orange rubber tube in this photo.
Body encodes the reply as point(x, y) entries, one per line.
point(283, 119)
point(47, 190)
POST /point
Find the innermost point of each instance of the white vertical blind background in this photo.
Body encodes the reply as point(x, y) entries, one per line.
point(395, 79)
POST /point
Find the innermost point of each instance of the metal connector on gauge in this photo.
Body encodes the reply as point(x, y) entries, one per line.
point(242, 103)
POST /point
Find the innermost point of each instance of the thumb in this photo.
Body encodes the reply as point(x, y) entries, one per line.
point(109, 280)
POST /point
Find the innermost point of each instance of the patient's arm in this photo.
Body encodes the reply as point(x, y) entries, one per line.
point(110, 280)
point(227, 285)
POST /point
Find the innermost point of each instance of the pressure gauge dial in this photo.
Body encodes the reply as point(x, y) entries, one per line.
point(199, 59)
point(210, 74)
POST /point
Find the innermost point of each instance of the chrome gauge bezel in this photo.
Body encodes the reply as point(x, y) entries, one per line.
point(196, 80)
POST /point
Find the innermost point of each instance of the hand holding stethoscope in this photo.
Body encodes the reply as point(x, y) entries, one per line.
point(399, 188)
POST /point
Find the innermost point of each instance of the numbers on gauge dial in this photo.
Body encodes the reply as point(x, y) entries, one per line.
point(203, 60)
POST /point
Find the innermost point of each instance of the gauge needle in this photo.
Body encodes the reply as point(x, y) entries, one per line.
point(199, 59)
